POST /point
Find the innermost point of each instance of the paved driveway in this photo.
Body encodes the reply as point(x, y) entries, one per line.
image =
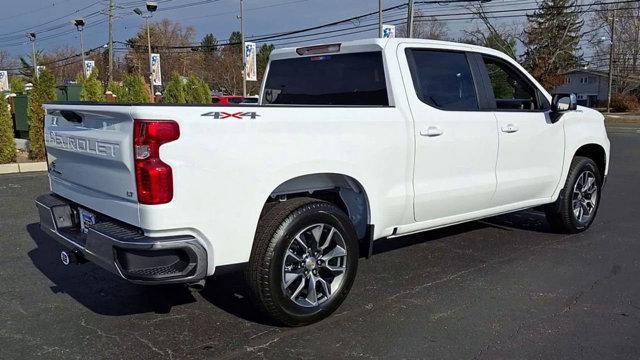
point(501, 288)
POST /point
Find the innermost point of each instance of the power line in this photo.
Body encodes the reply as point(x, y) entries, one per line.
point(315, 36)
point(34, 28)
point(424, 18)
point(52, 62)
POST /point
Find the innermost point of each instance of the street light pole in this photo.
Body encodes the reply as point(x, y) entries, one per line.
point(110, 43)
point(380, 18)
point(79, 23)
point(32, 39)
point(244, 52)
point(146, 22)
point(151, 7)
point(82, 49)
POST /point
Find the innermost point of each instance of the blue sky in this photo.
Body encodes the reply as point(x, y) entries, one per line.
point(50, 19)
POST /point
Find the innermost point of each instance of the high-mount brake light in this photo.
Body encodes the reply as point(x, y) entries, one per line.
point(318, 49)
point(154, 178)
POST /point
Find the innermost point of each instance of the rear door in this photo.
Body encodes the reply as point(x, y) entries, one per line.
point(89, 152)
point(531, 150)
point(456, 144)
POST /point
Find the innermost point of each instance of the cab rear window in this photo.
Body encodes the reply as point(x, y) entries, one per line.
point(336, 79)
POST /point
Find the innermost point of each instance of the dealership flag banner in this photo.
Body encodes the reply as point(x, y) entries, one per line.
point(4, 81)
point(250, 70)
point(88, 67)
point(388, 31)
point(156, 73)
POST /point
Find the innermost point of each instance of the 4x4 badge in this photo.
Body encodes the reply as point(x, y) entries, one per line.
point(237, 115)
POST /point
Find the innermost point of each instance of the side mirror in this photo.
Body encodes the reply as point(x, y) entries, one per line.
point(564, 102)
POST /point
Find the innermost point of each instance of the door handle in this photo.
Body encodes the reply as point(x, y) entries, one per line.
point(431, 131)
point(509, 128)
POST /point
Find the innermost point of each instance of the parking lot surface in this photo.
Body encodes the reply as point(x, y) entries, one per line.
point(506, 287)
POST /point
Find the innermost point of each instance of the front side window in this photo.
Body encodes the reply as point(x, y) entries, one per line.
point(336, 79)
point(443, 79)
point(511, 89)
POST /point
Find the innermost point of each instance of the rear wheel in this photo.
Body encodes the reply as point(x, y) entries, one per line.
point(304, 260)
point(577, 205)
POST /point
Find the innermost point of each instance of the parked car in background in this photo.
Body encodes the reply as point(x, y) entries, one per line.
point(226, 100)
point(351, 143)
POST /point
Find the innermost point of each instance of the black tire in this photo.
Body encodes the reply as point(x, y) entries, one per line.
point(274, 235)
point(560, 214)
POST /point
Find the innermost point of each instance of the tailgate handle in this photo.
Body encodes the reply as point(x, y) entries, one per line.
point(71, 116)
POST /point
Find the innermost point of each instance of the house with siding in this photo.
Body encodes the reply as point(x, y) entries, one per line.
point(591, 86)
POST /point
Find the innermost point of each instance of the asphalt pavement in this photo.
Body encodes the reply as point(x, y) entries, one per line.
point(503, 288)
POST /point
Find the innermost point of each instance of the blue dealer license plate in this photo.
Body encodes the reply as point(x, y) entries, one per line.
point(87, 218)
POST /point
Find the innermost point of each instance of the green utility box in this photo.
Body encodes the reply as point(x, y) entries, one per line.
point(21, 102)
point(69, 92)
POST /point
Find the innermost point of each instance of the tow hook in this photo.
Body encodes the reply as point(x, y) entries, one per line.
point(72, 257)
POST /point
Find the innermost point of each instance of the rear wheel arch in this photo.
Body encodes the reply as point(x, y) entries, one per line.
point(342, 190)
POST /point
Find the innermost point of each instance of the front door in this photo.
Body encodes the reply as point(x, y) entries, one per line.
point(456, 145)
point(531, 145)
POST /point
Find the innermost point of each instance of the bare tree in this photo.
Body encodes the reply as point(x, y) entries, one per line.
point(63, 63)
point(164, 35)
point(426, 27)
point(228, 72)
point(499, 37)
point(7, 61)
point(626, 45)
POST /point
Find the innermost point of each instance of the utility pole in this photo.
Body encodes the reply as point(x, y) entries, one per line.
point(410, 19)
point(110, 71)
point(611, 49)
point(244, 58)
point(380, 18)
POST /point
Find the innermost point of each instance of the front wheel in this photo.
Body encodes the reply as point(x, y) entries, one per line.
point(577, 205)
point(304, 260)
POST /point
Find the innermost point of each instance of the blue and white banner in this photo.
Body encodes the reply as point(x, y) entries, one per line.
point(4, 81)
point(251, 68)
point(156, 72)
point(388, 31)
point(88, 67)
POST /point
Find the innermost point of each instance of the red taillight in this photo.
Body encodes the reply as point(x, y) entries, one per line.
point(154, 179)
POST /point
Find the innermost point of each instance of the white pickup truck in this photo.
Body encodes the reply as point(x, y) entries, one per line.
point(351, 143)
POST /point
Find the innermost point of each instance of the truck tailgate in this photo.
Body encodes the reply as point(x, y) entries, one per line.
point(90, 157)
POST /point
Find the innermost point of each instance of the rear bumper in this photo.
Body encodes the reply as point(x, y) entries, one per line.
point(122, 249)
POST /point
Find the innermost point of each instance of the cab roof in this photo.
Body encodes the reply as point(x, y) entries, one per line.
point(377, 44)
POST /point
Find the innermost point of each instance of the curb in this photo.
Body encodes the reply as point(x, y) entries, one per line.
point(23, 167)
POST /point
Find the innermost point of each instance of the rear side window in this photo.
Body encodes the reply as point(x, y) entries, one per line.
point(443, 79)
point(341, 79)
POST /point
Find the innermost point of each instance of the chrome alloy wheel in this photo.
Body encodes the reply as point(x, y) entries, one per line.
point(314, 265)
point(585, 197)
